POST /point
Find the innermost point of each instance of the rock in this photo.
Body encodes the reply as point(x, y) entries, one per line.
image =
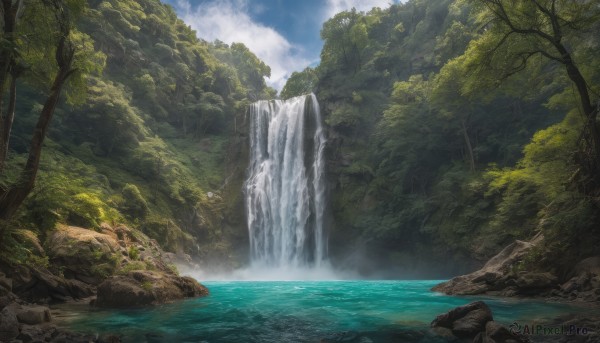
point(70, 337)
point(497, 333)
point(584, 283)
point(30, 241)
point(472, 323)
point(83, 254)
point(496, 276)
point(32, 333)
point(34, 314)
point(143, 287)
point(39, 285)
point(6, 300)
point(4, 291)
point(126, 234)
point(9, 325)
point(465, 321)
point(5, 282)
point(589, 265)
point(444, 333)
point(488, 278)
point(534, 282)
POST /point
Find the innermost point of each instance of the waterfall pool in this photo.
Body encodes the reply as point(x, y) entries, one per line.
point(301, 311)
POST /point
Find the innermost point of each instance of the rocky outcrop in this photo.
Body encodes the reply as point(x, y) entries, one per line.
point(129, 268)
point(9, 326)
point(475, 322)
point(497, 333)
point(122, 266)
point(143, 287)
point(584, 283)
point(84, 255)
point(501, 276)
point(465, 321)
point(33, 314)
point(24, 322)
point(39, 285)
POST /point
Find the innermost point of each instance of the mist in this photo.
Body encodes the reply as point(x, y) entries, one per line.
point(269, 273)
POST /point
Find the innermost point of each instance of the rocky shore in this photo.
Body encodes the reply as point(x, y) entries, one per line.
point(475, 323)
point(114, 267)
point(504, 275)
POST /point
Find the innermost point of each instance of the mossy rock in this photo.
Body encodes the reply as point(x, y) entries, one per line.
point(83, 254)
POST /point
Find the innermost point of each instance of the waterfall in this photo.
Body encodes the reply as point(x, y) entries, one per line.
point(285, 188)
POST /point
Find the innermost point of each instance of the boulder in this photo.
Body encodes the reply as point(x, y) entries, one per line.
point(498, 333)
point(9, 325)
point(71, 337)
point(465, 321)
point(33, 314)
point(473, 322)
point(533, 282)
point(5, 283)
point(83, 254)
point(589, 265)
point(6, 300)
point(39, 285)
point(497, 276)
point(144, 287)
point(33, 333)
point(584, 283)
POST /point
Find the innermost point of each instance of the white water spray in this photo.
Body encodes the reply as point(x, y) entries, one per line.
point(285, 189)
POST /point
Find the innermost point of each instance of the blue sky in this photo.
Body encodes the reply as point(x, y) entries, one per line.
point(283, 33)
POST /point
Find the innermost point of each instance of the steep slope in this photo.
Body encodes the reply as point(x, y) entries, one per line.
point(156, 143)
point(432, 171)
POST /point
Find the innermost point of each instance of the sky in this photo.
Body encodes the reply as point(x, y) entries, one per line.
point(282, 33)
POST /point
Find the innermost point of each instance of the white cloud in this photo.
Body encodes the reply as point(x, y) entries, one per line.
point(229, 21)
point(336, 6)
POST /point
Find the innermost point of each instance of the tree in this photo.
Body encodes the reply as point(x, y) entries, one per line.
point(345, 36)
point(251, 70)
point(32, 32)
point(515, 31)
point(300, 83)
point(9, 69)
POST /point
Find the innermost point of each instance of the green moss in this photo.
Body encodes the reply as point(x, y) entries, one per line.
point(147, 286)
point(131, 266)
point(134, 253)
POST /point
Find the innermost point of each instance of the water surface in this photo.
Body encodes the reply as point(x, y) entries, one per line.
point(301, 311)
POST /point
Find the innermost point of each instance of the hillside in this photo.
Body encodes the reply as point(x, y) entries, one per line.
point(154, 144)
point(442, 148)
point(440, 152)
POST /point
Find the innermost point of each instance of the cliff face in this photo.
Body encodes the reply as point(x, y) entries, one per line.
point(234, 223)
point(358, 240)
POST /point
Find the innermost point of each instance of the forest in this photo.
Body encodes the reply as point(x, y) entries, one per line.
point(453, 128)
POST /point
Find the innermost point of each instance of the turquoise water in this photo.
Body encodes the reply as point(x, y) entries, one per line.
point(301, 311)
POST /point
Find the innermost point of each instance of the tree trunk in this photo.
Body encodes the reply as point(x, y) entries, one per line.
point(469, 147)
point(7, 122)
point(9, 16)
point(12, 197)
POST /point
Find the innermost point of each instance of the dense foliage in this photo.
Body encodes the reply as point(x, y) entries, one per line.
point(146, 143)
point(454, 127)
point(449, 134)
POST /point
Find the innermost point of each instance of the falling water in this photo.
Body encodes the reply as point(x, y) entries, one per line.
point(285, 189)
